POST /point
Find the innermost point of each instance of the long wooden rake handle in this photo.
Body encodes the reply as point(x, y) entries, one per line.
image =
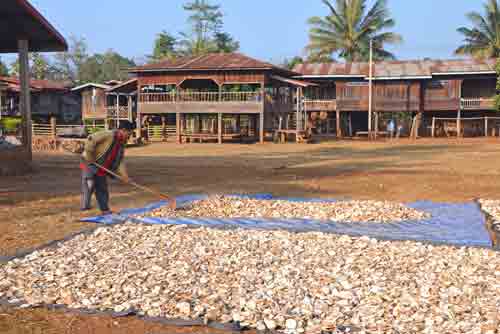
point(172, 201)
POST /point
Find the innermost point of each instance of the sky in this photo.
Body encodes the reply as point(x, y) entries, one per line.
point(269, 30)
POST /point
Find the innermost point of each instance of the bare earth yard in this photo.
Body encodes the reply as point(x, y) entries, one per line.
point(42, 207)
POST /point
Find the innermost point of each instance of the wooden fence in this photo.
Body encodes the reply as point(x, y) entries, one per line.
point(485, 126)
point(176, 97)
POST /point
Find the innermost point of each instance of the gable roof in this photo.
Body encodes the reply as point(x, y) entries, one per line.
point(211, 62)
point(15, 84)
point(20, 20)
point(91, 84)
point(411, 69)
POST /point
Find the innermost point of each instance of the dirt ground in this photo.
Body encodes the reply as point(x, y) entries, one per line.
point(44, 206)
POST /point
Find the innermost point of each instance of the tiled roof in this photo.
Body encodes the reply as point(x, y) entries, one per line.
point(213, 61)
point(14, 82)
point(397, 69)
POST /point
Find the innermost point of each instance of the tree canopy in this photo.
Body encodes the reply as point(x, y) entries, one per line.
point(204, 35)
point(347, 30)
point(483, 38)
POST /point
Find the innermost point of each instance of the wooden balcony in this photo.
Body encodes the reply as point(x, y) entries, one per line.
point(442, 104)
point(201, 102)
point(395, 105)
point(123, 112)
point(201, 97)
point(321, 105)
point(479, 103)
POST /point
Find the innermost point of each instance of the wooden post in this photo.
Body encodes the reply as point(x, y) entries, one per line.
point(219, 128)
point(459, 114)
point(53, 127)
point(25, 98)
point(486, 126)
point(261, 128)
point(433, 126)
point(178, 127)
point(339, 131)
point(350, 124)
point(163, 129)
point(129, 105)
point(376, 125)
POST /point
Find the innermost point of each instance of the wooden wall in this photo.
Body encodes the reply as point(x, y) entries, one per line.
point(91, 111)
point(352, 96)
point(220, 78)
point(442, 95)
point(396, 96)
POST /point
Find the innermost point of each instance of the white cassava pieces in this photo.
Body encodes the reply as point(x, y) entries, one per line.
point(342, 211)
point(291, 282)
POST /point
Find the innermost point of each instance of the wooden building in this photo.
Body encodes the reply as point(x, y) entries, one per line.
point(217, 97)
point(454, 93)
point(22, 30)
point(107, 104)
point(48, 99)
point(93, 102)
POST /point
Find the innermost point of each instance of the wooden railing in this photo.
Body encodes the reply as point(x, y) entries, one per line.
point(123, 112)
point(323, 105)
point(477, 103)
point(180, 97)
point(161, 132)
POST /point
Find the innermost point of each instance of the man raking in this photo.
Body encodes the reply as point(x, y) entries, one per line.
point(104, 149)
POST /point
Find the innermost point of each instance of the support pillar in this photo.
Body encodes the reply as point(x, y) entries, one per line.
point(178, 127)
point(219, 128)
point(261, 128)
point(53, 127)
point(25, 98)
point(433, 127)
point(339, 131)
point(486, 126)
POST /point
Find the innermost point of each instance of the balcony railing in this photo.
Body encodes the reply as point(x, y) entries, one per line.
point(321, 105)
point(123, 112)
point(477, 103)
point(203, 97)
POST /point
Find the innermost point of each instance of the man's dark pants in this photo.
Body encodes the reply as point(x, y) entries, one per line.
point(93, 183)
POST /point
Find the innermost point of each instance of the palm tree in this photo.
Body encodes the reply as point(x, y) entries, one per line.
point(347, 31)
point(483, 40)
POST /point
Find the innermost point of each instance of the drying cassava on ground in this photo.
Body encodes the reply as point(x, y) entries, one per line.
point(266, 280)
point(344, 211)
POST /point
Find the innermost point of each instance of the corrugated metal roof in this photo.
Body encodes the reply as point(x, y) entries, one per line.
point(213, 61)
point(38, 84)
point(398, 69)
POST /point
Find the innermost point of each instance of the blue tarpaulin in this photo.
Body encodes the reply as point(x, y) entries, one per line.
point(452, 224)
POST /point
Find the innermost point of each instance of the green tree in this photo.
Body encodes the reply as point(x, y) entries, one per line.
point(68, 65)
point(40, 68)
point(165, 46)
point(4, 71)
point(291, 63)
point(483, 39)
point(348, 29)
point(225, 43)
point(100, 68)
point(205, 20)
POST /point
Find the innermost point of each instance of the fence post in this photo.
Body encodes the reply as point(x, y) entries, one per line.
point(433, 126)
point(53, 127)
point(163, 129)
point(486, 126)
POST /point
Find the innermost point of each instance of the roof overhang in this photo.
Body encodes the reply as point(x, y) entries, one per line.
point(464, 73)
point(416, 77)
point(91, 84)
point(293, 82)
point(129, 86)
point(215, 69)
point(331, 76)
point(19, 20)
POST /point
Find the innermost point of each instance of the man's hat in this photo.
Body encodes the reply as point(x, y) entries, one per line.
point(126, 125)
